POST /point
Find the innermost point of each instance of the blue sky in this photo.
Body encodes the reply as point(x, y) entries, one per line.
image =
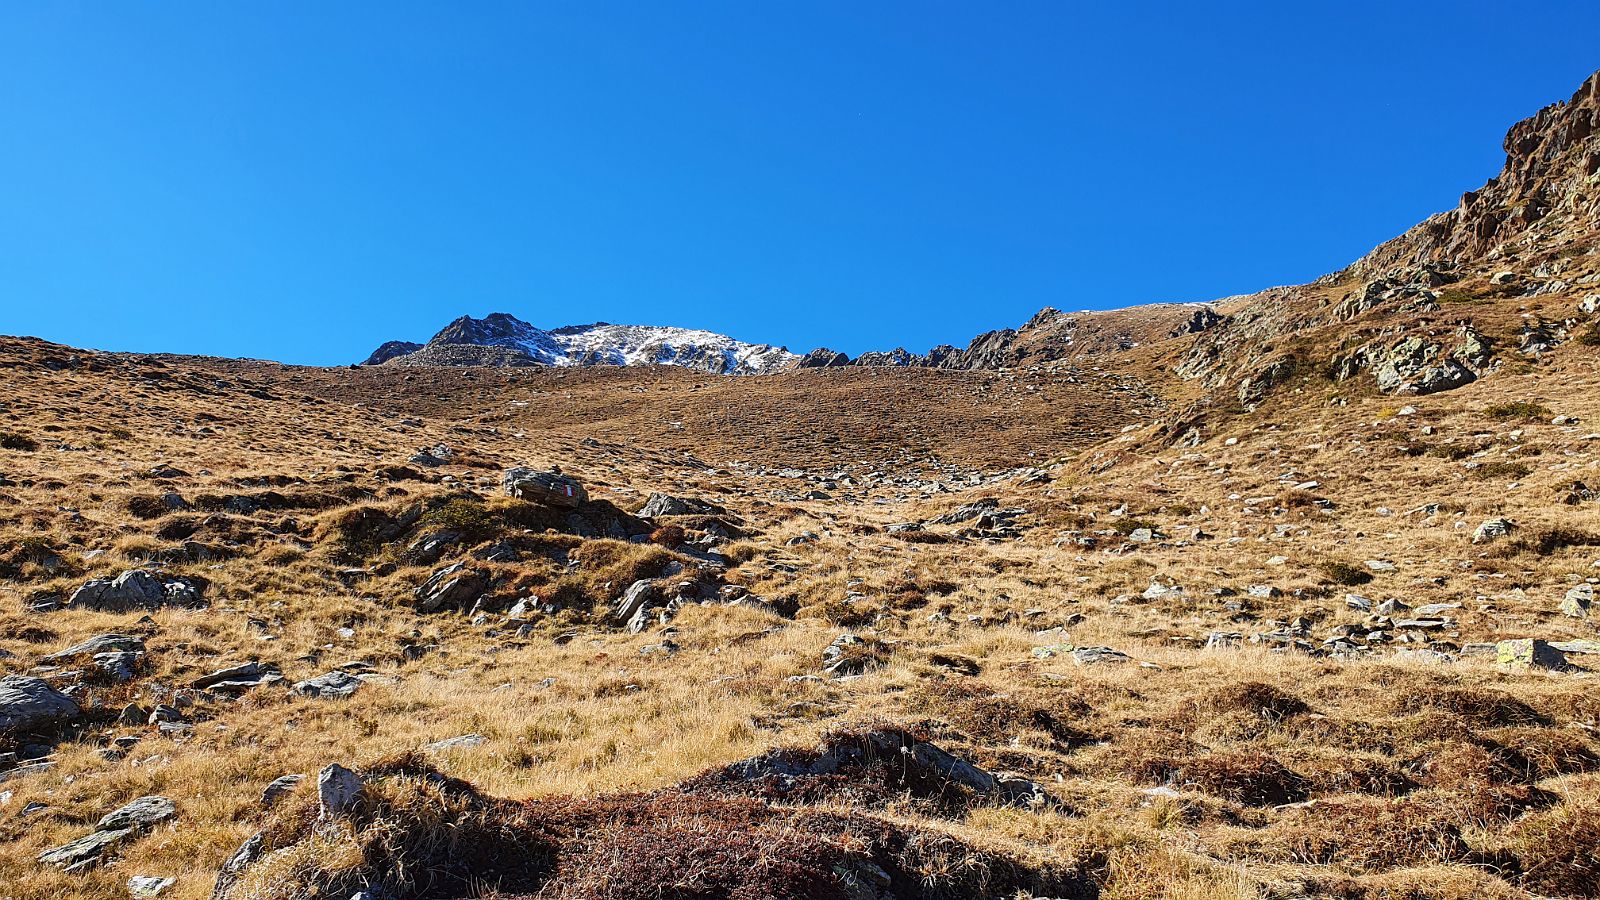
point(302, 181)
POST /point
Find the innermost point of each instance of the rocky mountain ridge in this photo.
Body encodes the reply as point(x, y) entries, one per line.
point(1505, 277)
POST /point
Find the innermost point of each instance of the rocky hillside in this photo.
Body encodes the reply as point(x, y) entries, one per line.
point(1504, 278)
point(1051, 336)
point(499, 339)
point(1507, 275)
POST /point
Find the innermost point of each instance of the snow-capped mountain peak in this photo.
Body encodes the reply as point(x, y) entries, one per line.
point(500, 339)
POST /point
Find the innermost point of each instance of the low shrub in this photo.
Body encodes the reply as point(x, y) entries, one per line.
point(1343, 573)
point(1518, 411)
point(1501, 470)
point(10, 440)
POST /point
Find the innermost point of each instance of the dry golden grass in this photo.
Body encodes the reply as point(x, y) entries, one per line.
point(1172, 771)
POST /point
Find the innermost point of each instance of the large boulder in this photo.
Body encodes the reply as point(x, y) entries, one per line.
point(549, 488)
point(137, 589)
point(27, 702)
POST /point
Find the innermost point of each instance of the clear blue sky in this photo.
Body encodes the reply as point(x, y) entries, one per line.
point(301, 181)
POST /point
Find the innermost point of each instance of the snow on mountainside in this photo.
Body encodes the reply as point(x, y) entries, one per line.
point(499, 339)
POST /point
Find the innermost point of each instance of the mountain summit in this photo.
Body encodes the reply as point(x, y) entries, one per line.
point(500, 339)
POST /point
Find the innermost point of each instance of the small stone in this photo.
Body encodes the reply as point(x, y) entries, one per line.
point(1578, 601)
point(1492, 529)
point(464, 742)
point(281, 787)
point(149, 885)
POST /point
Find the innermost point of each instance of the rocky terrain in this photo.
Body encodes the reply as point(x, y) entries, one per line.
point(1289, 595)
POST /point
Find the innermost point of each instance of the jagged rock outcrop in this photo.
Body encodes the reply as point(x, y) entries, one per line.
point(1525, 233)
point(389, 350)
point(823, 358)
point(1547, 192)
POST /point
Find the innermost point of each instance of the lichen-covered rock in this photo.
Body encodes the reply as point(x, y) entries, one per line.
point(1526, 654)
point(1492, 530)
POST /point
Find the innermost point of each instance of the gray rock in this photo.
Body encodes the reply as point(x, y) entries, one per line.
point(1526, 654)
point(335, 685)
point(238, 678)
point(100, 643)
point(280, 787)
point(338, 789)
point(1492, 530)
point(118, 665)
point(136, 589)
point(550, 488)
point(144, 886)
point(24, 771)
point(27, 702)
point(1578, 601)
point(454, 586)
point(248, 853)
point(143, 813)
point(1447, 376)
point(1094, 656)
point(116, 827)
point(639, 596)
point(664, 505)
point(1159, 591)
point(85, 849)
point(1224, 640)
point(1423, 654)
point(433, 457)
point(464, 742)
